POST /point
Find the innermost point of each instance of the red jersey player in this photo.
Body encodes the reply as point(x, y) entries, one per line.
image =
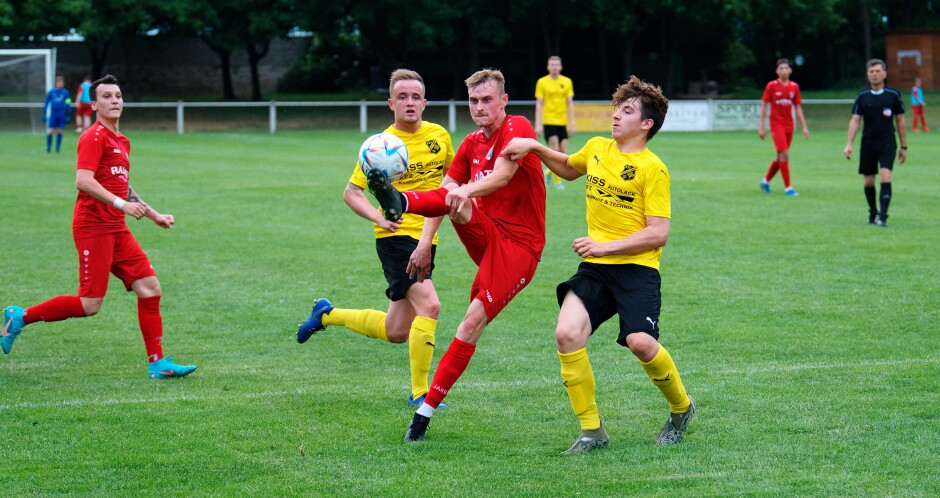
point(102, 239)
point(497, 207)
point(782, 96)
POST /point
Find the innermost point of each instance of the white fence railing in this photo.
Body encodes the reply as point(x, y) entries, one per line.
point(684, 115)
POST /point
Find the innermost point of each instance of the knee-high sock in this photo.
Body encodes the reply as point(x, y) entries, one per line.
point(885, 198)
point(151, 326)
point(48, 142)
point(58, 142)
point(665, 376)
point(420, 353)
point(370, 323)
point(771, 171)
point(579, 381)
point(430, 204)
point(451, 367)
point(785, 173)
point(870, 197)
point(55, 309)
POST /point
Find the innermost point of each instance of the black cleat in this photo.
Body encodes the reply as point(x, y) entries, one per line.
point(417, 428)
point(882, 221)
point(383, 191)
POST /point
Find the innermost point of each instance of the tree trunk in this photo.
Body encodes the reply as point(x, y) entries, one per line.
point(98, 52)
point(256, 52)
point(866, 27)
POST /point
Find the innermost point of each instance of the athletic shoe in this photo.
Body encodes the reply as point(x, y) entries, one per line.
point(314, 322)
point(882, 221)
point(588, 440)
point(560, 186)
point(791, 193)
point(417, 428)
point(765, 186)
point(416, 403)
point(675, 426)
point(872, 219)
point(385, 193)
point(12, 325)
point(164, 368)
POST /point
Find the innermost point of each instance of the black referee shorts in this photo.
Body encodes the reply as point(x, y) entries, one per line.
point(876, 152)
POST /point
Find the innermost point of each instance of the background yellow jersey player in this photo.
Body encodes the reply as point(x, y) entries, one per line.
point(406, 247)
point(554, 111)
point(628, 217)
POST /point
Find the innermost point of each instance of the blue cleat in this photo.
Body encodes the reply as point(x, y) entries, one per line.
point(12, 325)
point(416, 403)
point(314, 322)
point(765, 186)
point(164, 368)
point(791, 193)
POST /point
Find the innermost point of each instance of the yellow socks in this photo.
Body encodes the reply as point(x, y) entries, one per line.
point(579, 381)
point(370, 323)
point(420, 353)
point(665, 376)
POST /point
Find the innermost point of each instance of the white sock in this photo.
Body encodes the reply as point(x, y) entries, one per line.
point(425, 410)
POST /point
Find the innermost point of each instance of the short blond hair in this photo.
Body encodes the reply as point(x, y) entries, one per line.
point(653, 105)
point(482, 76)
point(402, 75)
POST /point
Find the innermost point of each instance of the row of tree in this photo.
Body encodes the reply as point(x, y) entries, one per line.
point(354, 42)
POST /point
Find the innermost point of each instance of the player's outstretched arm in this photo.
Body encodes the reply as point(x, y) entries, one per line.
point(163, 220)
point(85, 182)
point(556, 161)
point(357, 201)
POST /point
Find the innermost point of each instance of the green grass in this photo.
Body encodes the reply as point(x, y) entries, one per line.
point(807, 336)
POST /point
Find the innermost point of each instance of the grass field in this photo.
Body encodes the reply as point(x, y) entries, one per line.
point(808, 337)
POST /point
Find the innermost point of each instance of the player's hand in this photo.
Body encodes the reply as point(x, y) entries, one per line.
point(848, 152)
point(162, 220)
point(762, 133)
point(539, 131)
point(419, 264)
point(388, 226)
point(805, 133)
point(135, 209)
point(518, 147)
point(902, 156)
point(587, 247)
point(456, 200)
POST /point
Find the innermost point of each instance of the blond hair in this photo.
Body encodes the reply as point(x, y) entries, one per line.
point(402, 75)
point(482, 76)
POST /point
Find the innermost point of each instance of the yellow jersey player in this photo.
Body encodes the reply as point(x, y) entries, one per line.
point(406, 247)
point(628, 218)
point(554, 111)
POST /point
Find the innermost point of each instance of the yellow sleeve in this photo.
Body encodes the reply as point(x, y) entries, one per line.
point(656, 193)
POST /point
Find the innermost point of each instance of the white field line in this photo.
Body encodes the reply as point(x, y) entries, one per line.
point(482, 385)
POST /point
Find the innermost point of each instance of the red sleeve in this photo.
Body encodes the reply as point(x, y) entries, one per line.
point(797, 100)
point(460, 167)
point(767, 92)
point(90, 146)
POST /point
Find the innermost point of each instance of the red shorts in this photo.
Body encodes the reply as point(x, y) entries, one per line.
point(782, 138)
point(505, 267)
point(117, 253)
point(84, 109)
point(918, 110)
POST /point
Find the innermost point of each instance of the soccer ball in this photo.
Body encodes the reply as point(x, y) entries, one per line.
point(386, 153)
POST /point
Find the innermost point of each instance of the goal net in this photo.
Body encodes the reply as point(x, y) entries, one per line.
point(25, 76)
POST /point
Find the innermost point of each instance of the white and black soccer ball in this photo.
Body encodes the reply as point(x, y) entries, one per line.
point(384, 152)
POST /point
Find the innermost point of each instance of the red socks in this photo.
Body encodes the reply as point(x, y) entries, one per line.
point(772, 171)
point(451, 367)
point(54, 310)
point(151, 326)
point(785, 173)
point(430, 204)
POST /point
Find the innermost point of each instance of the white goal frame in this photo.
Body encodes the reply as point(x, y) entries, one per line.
point(49, 55)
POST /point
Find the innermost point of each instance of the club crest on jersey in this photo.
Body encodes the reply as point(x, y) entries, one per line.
point(433, 146)
point(629, 172)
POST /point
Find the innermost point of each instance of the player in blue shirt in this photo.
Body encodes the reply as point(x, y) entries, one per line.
point(56, 112)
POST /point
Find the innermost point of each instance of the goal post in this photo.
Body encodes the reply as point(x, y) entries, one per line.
point(25, 77)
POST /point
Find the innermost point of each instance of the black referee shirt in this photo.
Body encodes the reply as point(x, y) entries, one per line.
point(878, 109)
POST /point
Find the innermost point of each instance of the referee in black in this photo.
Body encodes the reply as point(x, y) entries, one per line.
point(881, 107)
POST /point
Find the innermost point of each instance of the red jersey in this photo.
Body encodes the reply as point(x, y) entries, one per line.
point(108, 155)
point(782, 98)
point(518, 209)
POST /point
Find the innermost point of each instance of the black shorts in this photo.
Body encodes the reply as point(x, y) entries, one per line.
point(556, 131)
point(875, 152)
point(394, 253)
point(631, 291)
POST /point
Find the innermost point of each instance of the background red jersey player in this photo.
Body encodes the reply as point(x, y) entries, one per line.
point(782, 96)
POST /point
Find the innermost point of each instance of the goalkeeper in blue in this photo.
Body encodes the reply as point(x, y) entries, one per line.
point(56, 112)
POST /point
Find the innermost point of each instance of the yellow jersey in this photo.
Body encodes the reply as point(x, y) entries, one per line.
point(554, 93)
point(622, 190)
point(430, 153)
